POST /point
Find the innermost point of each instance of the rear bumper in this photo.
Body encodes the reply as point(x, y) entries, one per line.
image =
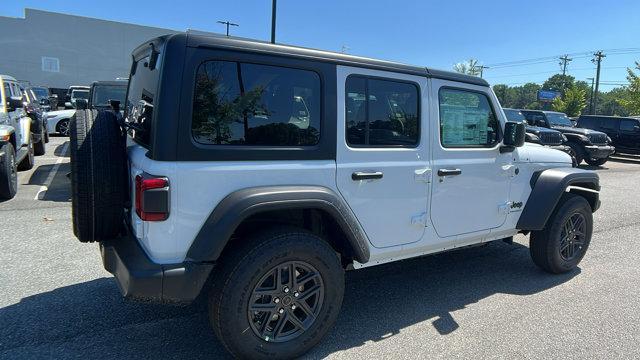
point(599, 151)
point(141, 279)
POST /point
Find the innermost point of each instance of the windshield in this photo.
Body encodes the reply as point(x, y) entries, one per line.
point(80, 94)
point(559, 119)
point(514, 115)
point(41, 93)
point(103, 93)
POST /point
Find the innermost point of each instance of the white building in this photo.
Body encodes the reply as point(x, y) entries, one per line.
point(58, 50)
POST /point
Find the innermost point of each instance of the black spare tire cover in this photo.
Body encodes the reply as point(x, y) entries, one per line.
point(98, 175)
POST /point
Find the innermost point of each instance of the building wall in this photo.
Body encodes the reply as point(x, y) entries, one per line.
point(86, 49)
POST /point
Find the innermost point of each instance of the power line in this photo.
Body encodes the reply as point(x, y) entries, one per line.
point(549, 59)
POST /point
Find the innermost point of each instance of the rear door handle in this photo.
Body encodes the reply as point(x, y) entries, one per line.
point(449, 172)
point(361, 175)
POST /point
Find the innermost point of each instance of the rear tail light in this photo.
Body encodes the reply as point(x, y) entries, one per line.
point(152, 197)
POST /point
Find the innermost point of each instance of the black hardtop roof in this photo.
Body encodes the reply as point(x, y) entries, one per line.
point(609, 117)
point(110, 82)
point(205, 40)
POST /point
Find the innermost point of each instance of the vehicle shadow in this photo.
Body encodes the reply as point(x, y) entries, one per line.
point(59, 149)
point(59, 190)
point(627, 159)
point(90, 319)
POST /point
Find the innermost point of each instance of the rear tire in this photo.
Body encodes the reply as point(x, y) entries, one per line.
point(596, 162)
point(39, 148)
point(562, 244)
point(29, 160)
point(247, 270)
point(8, 173)
point(98, 175)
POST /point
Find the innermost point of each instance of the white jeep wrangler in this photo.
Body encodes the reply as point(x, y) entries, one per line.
point(255, 174)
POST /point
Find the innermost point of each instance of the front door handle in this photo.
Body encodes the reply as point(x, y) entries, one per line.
point(360, 175)
point(449, 172)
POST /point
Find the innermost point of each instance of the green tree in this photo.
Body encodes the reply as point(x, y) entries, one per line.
point(572, 103)
point(631, 102)
point(559, 82)
point(469, 67)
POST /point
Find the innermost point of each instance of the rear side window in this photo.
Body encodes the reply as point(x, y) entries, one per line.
point(250, 104)
point(381, 112)
point(608, 124)
point(467, 119)
point(141, 96)
point(629, 125)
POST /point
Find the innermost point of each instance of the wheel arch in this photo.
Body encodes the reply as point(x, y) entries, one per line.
point(548, 186)
point(312, 207)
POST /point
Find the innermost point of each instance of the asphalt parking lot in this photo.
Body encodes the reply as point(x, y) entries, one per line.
point(56, 300)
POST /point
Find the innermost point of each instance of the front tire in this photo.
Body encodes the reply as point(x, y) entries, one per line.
point(576, 152)
point(39, 148)
point(8, 173)
point(596, 162)
point(276, 295)
point(562, 244)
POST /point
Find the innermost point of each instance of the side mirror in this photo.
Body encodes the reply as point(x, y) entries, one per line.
point(540, 123)
point(14, 103)
point(514, 136)
point(44, 102)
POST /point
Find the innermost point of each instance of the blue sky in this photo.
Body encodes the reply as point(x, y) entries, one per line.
point(431, 33)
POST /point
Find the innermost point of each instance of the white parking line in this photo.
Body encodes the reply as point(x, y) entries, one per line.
point(52, 173)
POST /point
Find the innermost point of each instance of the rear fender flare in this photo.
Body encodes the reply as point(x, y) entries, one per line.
point(239, 205)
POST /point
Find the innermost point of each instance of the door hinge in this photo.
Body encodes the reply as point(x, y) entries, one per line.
point(423, 175)
point(420, 219)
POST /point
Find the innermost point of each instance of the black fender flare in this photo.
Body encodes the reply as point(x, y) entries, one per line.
point(576, 138)
point(239, 205)
point(547, 187)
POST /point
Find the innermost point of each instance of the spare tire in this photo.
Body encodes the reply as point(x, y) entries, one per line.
point(98, 175)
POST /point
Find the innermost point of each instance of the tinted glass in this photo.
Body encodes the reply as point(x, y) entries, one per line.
point(388, 118)
point(41, 93)
point(608, 124)
point(559, 119)
point(103, 93)
point(514, 115)
point(628, 125)
point(80, 94)
point(249, 104)
point(466, 119)
point(141, 98)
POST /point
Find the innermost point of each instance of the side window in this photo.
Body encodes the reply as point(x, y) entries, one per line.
point(7, 89)
point(628, 125)
point(381, 112)
point(467, 119)
point(249, 104)
point(608, 124)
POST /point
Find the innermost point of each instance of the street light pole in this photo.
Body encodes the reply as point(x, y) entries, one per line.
point(273, 21)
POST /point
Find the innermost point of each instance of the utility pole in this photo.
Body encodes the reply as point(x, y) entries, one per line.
point(228, 24)
point(344, 49)
point(482, 67)
point(597, 59)
point(591, 97)
point(273, 21)
point(563, 62)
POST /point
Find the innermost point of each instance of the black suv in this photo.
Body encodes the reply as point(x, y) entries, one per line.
point(623, 131)
point(540, 135)
point(594, 147)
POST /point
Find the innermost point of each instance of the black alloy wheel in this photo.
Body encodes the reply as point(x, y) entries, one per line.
point(573, 237)
point(286, 301)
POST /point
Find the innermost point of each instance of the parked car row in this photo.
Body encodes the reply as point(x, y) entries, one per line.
point(583, 143)
point(26, 120)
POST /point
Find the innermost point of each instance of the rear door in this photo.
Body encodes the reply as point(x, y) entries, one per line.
point(471, 177)
point(382, 153)
point(629, 135)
